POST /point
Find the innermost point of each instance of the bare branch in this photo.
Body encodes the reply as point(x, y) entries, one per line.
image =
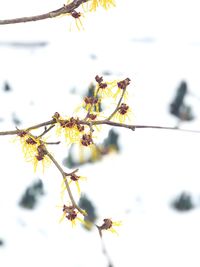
point(133, 126)
point(102, 122)
point(51, 122)
point(52, 14)
point(46, 130)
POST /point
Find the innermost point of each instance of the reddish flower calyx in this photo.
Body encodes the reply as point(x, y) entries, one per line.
point(86, 140)
point(41, 152)
point(74, 177)
point(124, 83)
point(90, 100)
point(92, 116)
point(106, 225)
point(98, 79)
point(22, 133)
point(70, 212)
point(75, 14)
point(123, 109)
point(30, 141)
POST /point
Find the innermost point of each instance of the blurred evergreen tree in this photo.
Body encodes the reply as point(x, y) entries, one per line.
point(178, 108)
point(31, 195)
point(1, 242)
point(111, 142)
point(87, 205)
point(7, 87)
point(183, 202)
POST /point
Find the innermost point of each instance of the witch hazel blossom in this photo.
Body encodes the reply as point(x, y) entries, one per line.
point(75, 129)
point(108, 225)
point(82, 130)
point(68, 9)
point(123, 113)
point(106, 4)
point(88, 6)
point(71, 214)
point(33, 149)
point(73, 178)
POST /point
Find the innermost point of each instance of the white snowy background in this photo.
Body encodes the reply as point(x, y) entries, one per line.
point(157, 45)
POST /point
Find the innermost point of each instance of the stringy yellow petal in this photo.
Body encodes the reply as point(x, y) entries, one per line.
point(62, 217)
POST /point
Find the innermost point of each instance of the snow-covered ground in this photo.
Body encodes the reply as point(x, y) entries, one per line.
point(156, 45)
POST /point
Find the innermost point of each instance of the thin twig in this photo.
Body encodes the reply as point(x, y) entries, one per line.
point(51, 122)
point(112, 123)
point(52, 143)
point(46, 123)
point(46, 130)
point(118, 104)
point(66, 182)
point(104, 250)
point(134, 126)
point(71, 173)
point(164, 128)
point(52, 14)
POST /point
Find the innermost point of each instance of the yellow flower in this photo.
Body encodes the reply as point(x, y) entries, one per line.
point(92, 103)
point(28, 143)
point(112, 89)
point(33, 149)
point(104, 89)
point(108, 225)
point(71, 128)
point(104, 3)
point(107, 3)
point(40, 162)
point(71, 214)
point(73, 178)
point(72, 135)
point(39, 158)
point(121, 86)
point(123, 113)
point(77, 16)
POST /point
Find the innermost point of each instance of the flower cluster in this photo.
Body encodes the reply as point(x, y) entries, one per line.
point(73, 178)
point(79, 129)
point(33, 149)
point(103, 3)
point(71, 214)
point(108, 225)
point(94, 4)
point(89, 6)
point(71, 127)
point(123, 113)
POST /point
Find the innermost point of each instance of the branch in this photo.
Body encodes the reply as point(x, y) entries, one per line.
point(118, 104)
point(46, 130)
point(51, 122)
point(52, 14)
point(101, 122)
point(66, 182)
point(133, 127)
